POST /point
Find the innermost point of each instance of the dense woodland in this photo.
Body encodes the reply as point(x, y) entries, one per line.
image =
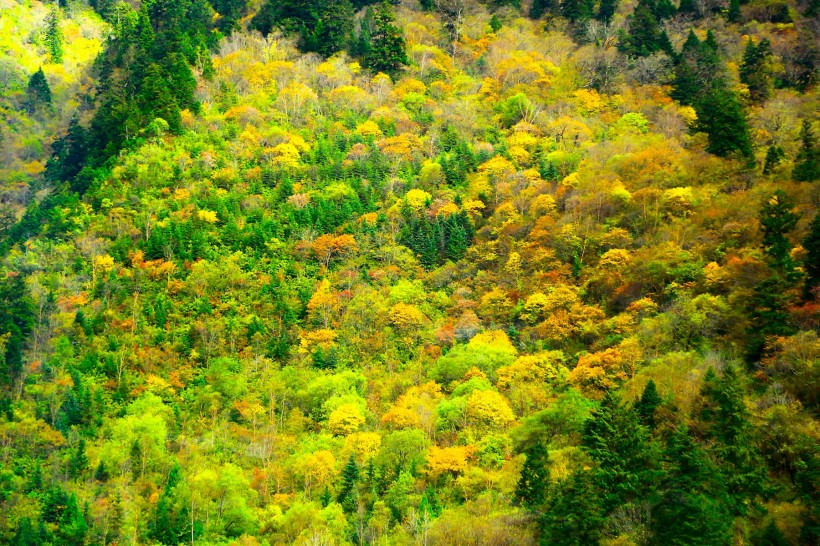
point(437, 272)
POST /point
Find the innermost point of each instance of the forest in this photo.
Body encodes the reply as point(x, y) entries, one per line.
point(409, 272)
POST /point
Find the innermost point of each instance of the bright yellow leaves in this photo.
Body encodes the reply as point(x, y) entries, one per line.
point(597, 372)
point(406, 317)
point(403, 146)
point(286, 155)
point(208, 216)
point(323, 338)
point(417, 199)
point(369, 129)
point(415, 408)
point(104, 263)
point(489, 410)
point(345, 419)
point(443, 460)
point(318, 469)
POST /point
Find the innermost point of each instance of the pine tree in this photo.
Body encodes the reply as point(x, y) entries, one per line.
point(574, 514)
point(577, 11)
point(807, 162)
point(54, 36)
point(101, 473)
point(623, 451)
point(348, 493)
point(811, 264)
point(643, 36)
point(649, 402)
point(17, 321)
point(721, 117)
point(386, 52)
point(692, 507)
point(606, 10)
point(532, 486)
point(754, 70)
point(688, 7)
point(774, 155)
point(772, 536)
point(38, 92)
point(734, 15)
point(79, 461)
point(777, 219)
point(170, 523)
point(727, 418)
point(540, 7)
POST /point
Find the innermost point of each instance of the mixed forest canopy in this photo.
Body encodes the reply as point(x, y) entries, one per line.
point(434, 272)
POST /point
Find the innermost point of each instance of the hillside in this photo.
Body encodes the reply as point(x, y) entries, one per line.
point(444, 272)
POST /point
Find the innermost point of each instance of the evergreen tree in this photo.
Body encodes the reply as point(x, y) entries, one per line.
point(692, 508)
point(574, 514)
point(17, 321)
point(38, 92)
point(101, 473)
point(535, 477)
point(734, 15)
point(727, 419)
point(811, 264)
point(54, 36)
point(79, 461)
point(386, 51)
point(577, 11)
point(649, 402)
point(754, 71)
point(663, 9)
point(807, 162)
point(539, 7)
point(72, 525)
point(606, 10)
point(156, 100)
point(774, 155)
point(643, 36)
point(688, 7)
point(777, 219)
point(721, 117)
point(772, 536)
point(28, 534)
point(620, 445)
point(348, 493)
point(170, 524)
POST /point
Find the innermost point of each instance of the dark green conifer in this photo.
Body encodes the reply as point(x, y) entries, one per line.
point(807, 162)
point(534, 481)
point(606, 10)
point(774, 155)
point(79, 461)
point(649, 402)
point(54, 36)
point(574, 514)
point(811, 264)
point(734, 15)
point(39, 92)
point(386, 52)
point(348, 492)
point(721, 117)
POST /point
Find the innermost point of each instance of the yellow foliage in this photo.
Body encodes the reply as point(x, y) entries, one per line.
point(207, 216)
point(324, 338)
point(369, 129)
point(451, 460)
point(364, 445)
point(345, 419)
point(489, 409)
point(104, 262)
point(406, 317)
point(417, 199)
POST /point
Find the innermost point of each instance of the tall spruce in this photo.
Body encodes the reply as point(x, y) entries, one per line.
point(807, 162)
point(386, 49)
point(54, 36)
point(38, 93)
point(534, 481)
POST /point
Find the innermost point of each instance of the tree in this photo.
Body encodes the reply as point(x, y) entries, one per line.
point(644, 36)
point(386, 50)
point(755, 71)
point(171, 522)
point(78, 463)
point(606, 10)
point(38, 92)
point(774, 155)
point(721, 117)
point(727, 419)
point(620, 445)
point(577, 11)
point(533, 484)
point(807, 162)
point(54, 36)
point(812, 262)
point(692, 507)
point(16, 322)
point(540, 7)
point(348, 495)
point(734, 15)
point(777, 219)
point(648, 403)
point(574, 514)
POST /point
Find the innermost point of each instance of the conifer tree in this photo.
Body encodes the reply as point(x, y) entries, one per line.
point(54, 36)
point(643, 36)
point(721, 117)
point(386, 50)
point(774, 155)
point(348, 493)
point(539, 7)
point(79, 461)
point(534, 481)
point(734, 15)
point(577, 11)
point(649, 402)
point(727, 418)
point(777, 219)
point(811, 264)
point(574, 514)
point(39, 92)
point(754, 71)
point(17, 321)
point(807, 162)
point(606, 10)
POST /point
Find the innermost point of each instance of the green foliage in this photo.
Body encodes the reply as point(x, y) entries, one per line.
point(384, 50)
point(807, 162)
point(38, 92)
point(534, 481)
point(721, 117)
point(53, 36)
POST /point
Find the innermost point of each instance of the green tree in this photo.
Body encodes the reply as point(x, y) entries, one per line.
point(574, 514)
point(727, 420)
point(577, 11)
point(54, 36)
point(78, 463)
point(16, 321)
point(643, 35)
point(621, 447)
point(811, 265)
point(386, 50)
point(649, 402)
point(754, 69)
point(534, 481)
point(772, 536)
point(807, 162)
point(734, 15)
point(606, 10)
point(692, 507)
point(721, 117)
point(774, 155)
point(170, 523)
point(38, 92)
point(777, 220)
point(539, 7)
point(348, 495)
